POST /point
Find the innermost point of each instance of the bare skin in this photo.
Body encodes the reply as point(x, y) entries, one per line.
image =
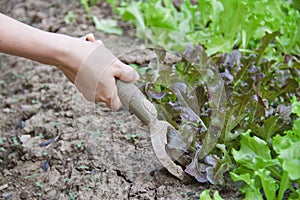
point(65, 52)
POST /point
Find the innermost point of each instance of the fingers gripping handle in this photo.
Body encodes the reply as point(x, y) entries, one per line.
point(134, 100)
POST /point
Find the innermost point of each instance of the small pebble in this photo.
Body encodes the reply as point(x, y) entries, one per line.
point(2, 187)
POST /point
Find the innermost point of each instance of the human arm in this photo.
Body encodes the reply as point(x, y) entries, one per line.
point(68, 54)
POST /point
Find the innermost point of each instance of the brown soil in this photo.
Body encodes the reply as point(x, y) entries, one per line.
point(99, 154)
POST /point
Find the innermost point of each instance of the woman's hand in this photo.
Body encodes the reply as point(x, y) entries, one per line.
point(95, 77)
point(88, 64)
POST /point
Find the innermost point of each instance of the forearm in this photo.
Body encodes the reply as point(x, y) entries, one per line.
point(22, 40)
point(97, 80)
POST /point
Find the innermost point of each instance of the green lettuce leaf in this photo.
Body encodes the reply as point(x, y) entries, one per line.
point(107, 26)
point(268, 183)
point(250, 188)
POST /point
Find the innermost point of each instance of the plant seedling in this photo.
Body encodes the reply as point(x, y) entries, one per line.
point(130, 136)
point(72, 195)
point(80, 144)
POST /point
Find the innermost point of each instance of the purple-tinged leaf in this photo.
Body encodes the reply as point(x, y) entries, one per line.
point(290, 86)
point(285, 112)
point(269, 127)
point(155, 95)
point(188, 103)
point(201, 97)
point(253, 69)
point(227, 76)
point(193, 169)
point(213, 177)
point(176, 141)
point(241, 75)
point(266, 40)
point(187, 100)
point(230, 59)
point(191, 53)
point(211, 159)
point(217, 101)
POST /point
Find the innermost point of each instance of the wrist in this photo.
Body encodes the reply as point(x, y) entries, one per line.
point(70, 52)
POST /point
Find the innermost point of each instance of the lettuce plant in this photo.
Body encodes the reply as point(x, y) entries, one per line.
point(220, 25)
point(212, 100)
point(270, 171)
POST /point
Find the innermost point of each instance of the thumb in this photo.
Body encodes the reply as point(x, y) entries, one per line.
point(115, 102)
point(126, 73)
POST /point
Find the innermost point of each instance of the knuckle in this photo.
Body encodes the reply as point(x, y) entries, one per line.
point(99, 98)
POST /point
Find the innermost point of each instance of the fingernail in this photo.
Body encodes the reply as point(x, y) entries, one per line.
point(137, 76)
point(90, 37)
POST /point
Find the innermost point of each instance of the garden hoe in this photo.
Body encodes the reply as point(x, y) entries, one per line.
point(134, 100)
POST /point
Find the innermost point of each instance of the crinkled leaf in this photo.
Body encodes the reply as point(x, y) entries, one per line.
point(201, 96)
point(266, 40)
point(193, 53)
point(156, 95)
point(215, 174)
point(217, 101)
point(160, 73)
point(270, 126)
point(176, 141)
point(158, 16)
point(250, 189)
point(239, 78)
point(232, 59)
point(251, 147)
point(254, 152)
point(296, 106)
point(211, 170)
point(256, 111)
point(296, 127)
point(291, 85)
point(133, 14)
point(227, 76)
point(288, 148)
point(193, 169)
point(285, 112)
point(269, 184)
point(154, 92)
point(205, 195)
point(213, 133)
point(188, 131)
point(107, 26)
point(216, 167)
point(220, 166)
point(291, 167)
point(211, 160)
point(188, 103)
point(166, 111)
point(187, 100)
point(233, 118)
